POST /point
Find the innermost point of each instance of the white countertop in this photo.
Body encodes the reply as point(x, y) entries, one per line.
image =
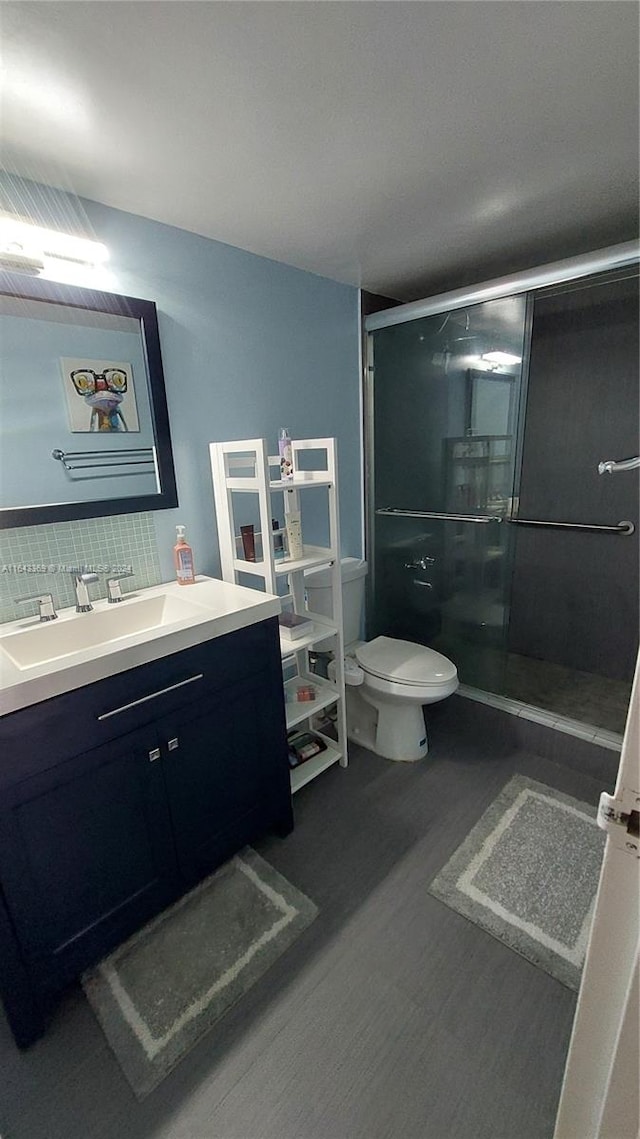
point(218, 608)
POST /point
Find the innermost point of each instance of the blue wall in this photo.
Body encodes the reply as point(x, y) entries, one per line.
point(248, 345)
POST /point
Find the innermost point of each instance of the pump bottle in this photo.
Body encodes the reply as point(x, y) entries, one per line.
point(183, 558)
point(286, 455)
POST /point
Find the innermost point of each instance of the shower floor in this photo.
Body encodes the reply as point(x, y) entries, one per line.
point(580, 695)
point(584, 696)
point(556, 688)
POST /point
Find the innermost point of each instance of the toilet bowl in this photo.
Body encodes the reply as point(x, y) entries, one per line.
point(385, 709)
point(388, 681)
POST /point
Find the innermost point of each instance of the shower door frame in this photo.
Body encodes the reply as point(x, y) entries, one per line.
point(624, 255)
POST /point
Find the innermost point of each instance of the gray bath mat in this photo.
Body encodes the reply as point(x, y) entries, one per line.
point(160, 991)
point(528, 873)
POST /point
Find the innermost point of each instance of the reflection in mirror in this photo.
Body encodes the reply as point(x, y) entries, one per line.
point(83, 418)
point(491, 403)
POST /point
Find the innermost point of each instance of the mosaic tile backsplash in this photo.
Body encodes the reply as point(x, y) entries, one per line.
point(39, 559)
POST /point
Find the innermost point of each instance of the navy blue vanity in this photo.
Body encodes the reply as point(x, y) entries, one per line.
point(117, 797)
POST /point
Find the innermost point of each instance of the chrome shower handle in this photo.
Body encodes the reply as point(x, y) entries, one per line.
point(423, 563)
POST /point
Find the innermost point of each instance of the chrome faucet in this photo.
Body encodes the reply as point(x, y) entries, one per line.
point(46, 607)
point(80, 582)
point(114, 593)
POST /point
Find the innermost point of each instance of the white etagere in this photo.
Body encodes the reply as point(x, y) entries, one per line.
point(244, 467)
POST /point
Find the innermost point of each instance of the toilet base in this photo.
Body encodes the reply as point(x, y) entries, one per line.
point(401, 734)
point(391, 730)
point(362, 720)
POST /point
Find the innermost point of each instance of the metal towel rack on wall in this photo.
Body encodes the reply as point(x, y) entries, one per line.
point(612, 466)
point(105, 458)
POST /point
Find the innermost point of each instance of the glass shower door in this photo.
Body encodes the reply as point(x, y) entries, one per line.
point(573, 630)
point(446, 395)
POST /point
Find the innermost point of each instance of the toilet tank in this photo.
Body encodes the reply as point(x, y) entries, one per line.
point(318, 586)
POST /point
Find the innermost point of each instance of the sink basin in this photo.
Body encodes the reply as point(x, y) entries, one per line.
point(41, 644)
point(40, 661)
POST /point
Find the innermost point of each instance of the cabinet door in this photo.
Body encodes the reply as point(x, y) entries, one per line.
point(86, 855)
point(227, 774)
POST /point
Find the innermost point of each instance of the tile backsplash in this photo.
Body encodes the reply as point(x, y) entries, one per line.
point(39, 559)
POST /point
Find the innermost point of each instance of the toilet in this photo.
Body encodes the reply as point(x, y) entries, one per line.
point(388, 680)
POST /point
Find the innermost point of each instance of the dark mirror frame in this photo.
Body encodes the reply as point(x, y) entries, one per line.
point(33, 288)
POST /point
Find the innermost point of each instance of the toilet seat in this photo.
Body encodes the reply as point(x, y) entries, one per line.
point(405, 664)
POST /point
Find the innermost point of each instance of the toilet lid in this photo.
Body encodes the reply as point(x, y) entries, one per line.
point(404, 662)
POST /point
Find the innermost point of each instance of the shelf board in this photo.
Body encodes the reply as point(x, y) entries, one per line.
point(258, 569)
point(300, 481)
point(313, 556)
point(465, 460)
point(322, 630)
point(315, 766)
point(251, 485)
point(297, 711)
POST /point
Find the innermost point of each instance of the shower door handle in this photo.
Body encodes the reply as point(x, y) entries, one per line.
point(482, 518)
point(624, 528)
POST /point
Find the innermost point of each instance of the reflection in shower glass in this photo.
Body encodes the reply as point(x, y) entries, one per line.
point(446, 408)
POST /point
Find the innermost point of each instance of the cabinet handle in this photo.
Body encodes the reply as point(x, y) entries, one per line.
point(173, 744)
point(155, 754)
point(151, 696)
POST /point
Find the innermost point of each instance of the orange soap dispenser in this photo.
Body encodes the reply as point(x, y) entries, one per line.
point(183, 557)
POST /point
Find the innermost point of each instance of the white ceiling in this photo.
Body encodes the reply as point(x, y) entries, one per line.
point(404, 147)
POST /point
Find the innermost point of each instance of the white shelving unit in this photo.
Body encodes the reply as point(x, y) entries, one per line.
point(244, 467)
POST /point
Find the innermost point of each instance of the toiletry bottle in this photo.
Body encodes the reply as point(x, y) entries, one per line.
point(279, 551)
point(286, 455)
point(183, 557)
point(294, 534)
point(247, 533)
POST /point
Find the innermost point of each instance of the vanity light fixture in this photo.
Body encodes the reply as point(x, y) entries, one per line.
point(34, 249)
point(501, 359)
point(15, 261)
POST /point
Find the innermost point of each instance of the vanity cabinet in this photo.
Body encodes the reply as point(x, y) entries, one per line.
point(85, 855)
point(118, 797)
point(219, 786)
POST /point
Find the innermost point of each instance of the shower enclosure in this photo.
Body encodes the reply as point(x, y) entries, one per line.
point(492, 536)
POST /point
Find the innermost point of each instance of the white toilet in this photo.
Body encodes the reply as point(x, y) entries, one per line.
point(388, 680)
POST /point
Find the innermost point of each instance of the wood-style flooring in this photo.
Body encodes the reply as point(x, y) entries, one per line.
point(392, 1017)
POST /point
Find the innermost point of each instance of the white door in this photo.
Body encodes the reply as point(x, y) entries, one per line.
point(600, 1096)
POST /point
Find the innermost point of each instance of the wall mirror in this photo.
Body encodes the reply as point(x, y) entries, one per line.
point(84, 427)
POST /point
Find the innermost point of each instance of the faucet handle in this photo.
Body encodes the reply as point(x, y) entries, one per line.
point(114, 593)
point(46, 607)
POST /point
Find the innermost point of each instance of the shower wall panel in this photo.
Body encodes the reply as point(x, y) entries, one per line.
point(575, 596)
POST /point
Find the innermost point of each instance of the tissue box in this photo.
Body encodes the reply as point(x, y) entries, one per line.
point(293, 627)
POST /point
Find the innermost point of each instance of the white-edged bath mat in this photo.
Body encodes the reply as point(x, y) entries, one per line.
point(528, 874)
